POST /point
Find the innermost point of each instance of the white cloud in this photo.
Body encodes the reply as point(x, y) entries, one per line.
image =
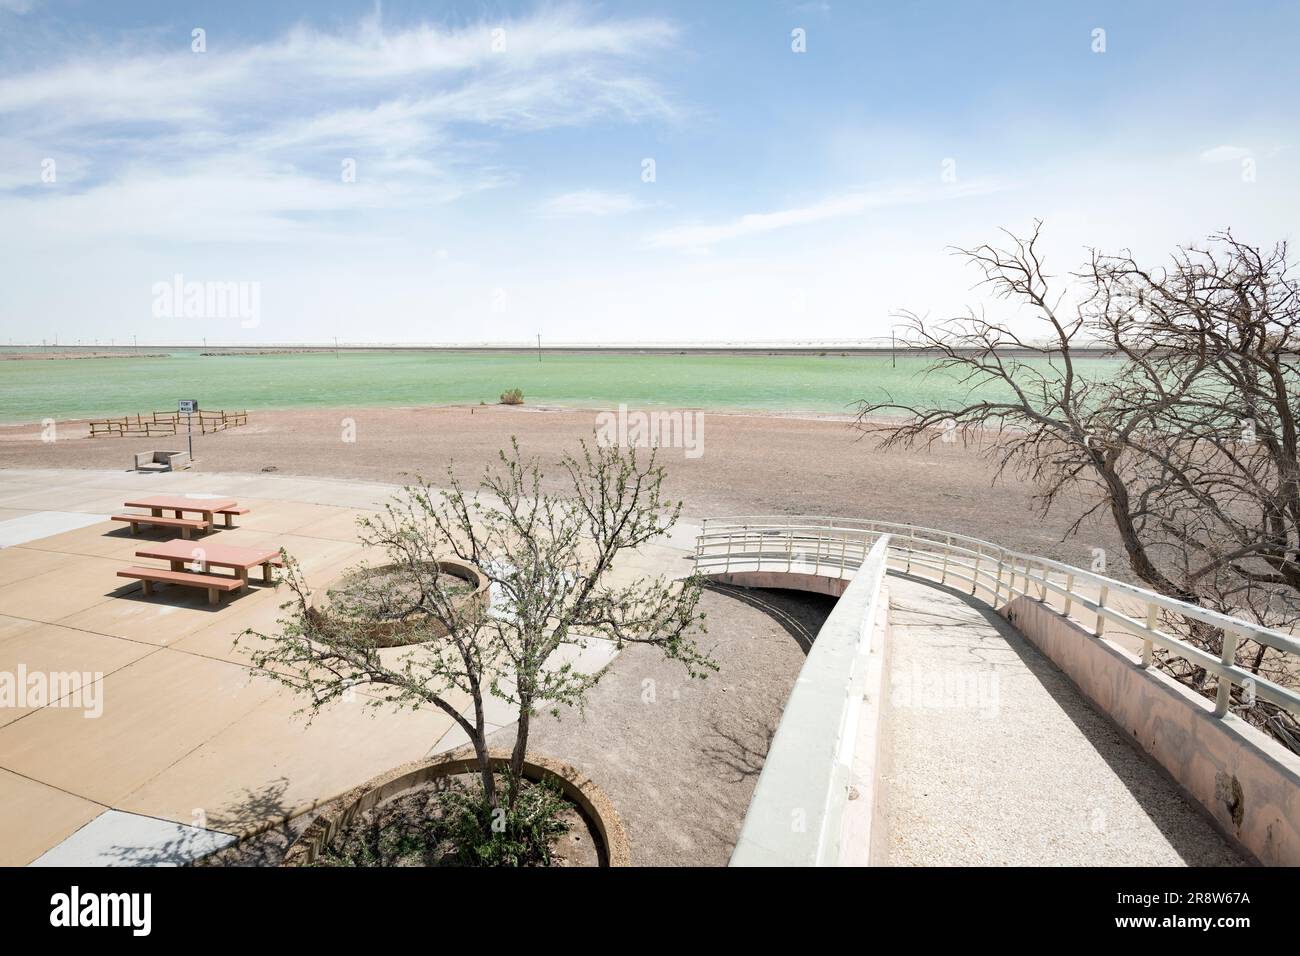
point(1224, 154)
point(169, 86)
point(591, 202)
point(253, 137)
point(855, 203)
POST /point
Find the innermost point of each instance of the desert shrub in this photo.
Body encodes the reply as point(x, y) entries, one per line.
point(519, 833)
point(451, 824)
point(512, 396)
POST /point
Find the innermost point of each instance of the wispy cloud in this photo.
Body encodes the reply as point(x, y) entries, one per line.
point(416, 108)
point(591, 202)
point(1224, 154)
point(853, 203)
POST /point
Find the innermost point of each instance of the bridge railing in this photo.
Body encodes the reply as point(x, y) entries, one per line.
point(834, 546)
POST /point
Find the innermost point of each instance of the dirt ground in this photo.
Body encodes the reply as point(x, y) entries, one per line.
point(680, 758)
point(750, 464)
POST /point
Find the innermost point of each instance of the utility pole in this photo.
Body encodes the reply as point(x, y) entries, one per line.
point(539, 347)
point(893, 357)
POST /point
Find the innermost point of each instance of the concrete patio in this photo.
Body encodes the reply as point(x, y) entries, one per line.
point(193, 747)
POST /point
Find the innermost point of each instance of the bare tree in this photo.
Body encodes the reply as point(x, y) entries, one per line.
point(550, 560)
point(1186, 438)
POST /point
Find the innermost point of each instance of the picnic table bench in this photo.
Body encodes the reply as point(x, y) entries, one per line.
point(186, 525)
point(214, 584)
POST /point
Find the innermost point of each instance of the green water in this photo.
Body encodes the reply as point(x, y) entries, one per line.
point(80, 388)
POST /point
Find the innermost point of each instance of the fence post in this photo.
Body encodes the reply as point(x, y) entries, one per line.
point(1069, 593)
point(975, 575)
point(1223, 697)
point(1148, 647)
point(943, 574)
point(1101, 618)
point(997, 584)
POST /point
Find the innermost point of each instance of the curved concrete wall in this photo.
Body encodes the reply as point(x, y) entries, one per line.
point(789, 580)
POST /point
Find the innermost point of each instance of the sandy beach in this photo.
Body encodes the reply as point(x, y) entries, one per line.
point(747, 464)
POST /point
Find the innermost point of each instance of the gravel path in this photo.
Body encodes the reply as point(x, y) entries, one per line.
point(680, 758)
point(996, 759)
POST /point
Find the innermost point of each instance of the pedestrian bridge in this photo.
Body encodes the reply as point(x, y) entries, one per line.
point(966, 704)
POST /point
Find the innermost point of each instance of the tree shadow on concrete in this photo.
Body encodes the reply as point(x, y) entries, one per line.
point(193, 846)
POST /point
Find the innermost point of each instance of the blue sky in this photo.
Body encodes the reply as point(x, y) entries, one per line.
point(499, 188)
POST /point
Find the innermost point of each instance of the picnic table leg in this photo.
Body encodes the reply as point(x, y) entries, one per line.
point(229, 519)
point(243, 579)
point(185, 533)
point(148, 587)
point(135, 527)
point(214, 596)
point(267, 575)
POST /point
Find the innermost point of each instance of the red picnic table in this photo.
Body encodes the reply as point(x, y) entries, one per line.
point(209, 508)
point(201, 556)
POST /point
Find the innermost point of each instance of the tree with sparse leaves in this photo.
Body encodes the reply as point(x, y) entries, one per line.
point(1188, 442)
point(551, 560)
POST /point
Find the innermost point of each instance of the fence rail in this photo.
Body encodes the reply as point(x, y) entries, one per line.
point(838, 546)
point(153, 424)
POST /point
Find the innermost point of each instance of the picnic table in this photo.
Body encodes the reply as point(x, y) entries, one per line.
point(208, 507)
point(202, 556)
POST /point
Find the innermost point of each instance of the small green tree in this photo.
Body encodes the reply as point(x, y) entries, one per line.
point(549, 558)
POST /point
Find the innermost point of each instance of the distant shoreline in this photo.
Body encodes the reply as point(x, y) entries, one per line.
point(19, 352)
point(45, 355)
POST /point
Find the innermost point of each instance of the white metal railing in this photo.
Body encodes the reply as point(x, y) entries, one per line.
point(837, 547)
point(797, 813)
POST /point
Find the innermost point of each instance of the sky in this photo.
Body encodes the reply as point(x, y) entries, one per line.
point(244, 172)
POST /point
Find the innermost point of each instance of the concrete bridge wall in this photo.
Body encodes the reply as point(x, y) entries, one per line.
point(1248, 783)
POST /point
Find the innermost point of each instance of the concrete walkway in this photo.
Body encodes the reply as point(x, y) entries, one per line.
point(996, 759)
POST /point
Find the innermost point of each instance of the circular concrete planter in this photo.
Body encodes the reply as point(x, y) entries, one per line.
point(574, 785)
point(394, 634)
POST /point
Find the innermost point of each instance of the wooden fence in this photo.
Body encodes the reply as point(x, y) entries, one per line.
point(154, 424)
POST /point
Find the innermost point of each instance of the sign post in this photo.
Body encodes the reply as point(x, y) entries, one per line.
point(187, 407)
